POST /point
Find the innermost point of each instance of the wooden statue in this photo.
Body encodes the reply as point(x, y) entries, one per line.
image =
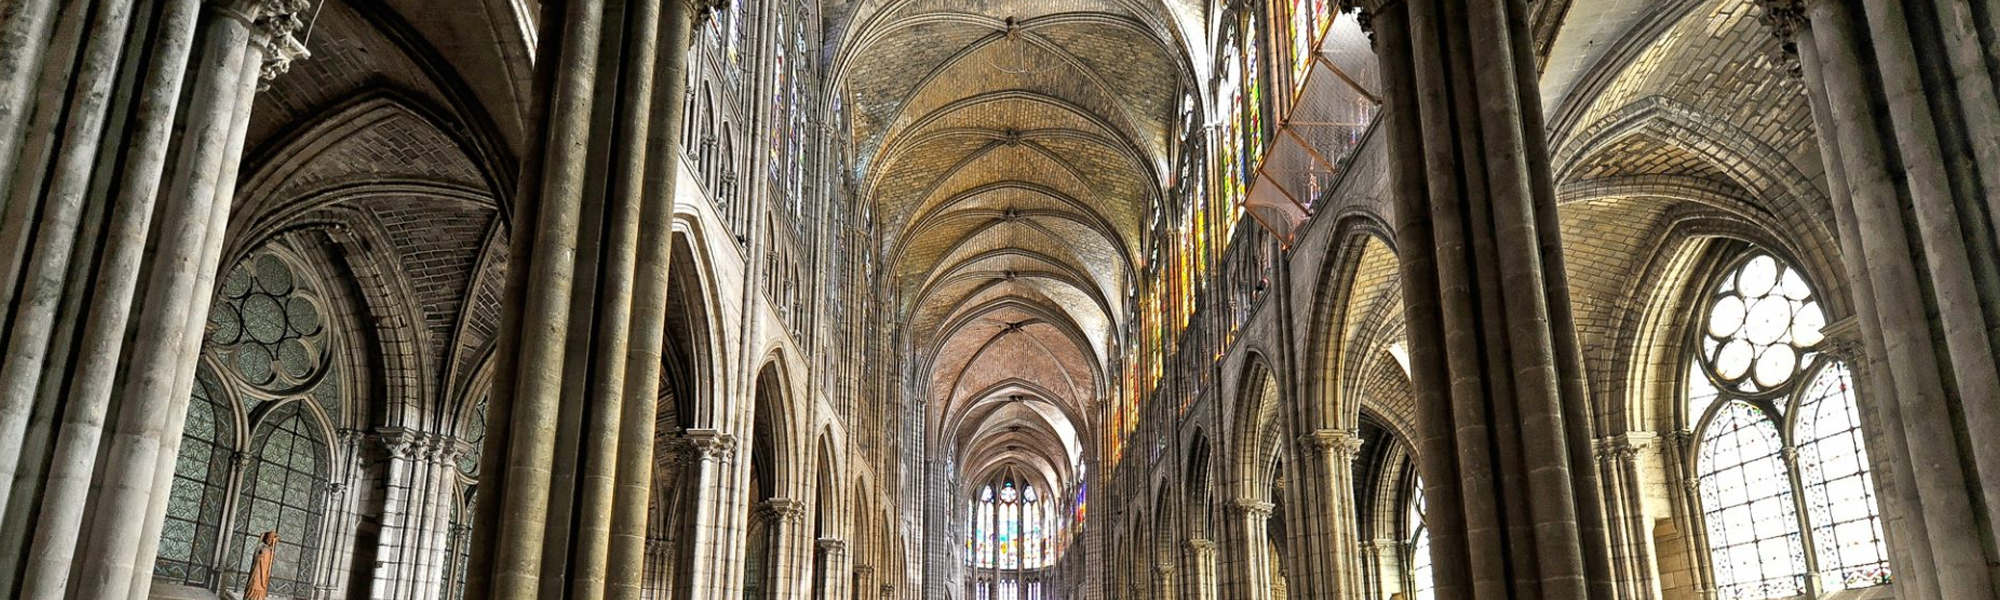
point(260, 569)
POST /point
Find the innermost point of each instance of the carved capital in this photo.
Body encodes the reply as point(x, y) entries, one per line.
point(403, 444)
point(710, 444)
point(1332, 443)
point(705, 10)
point(783, 509)
point(1619, 448)
point(1248, 507)
point(1843, 341)
point(1363, 15)
point(350, 438)
point(1786, 19)
point(832, 546)
point(277, 24)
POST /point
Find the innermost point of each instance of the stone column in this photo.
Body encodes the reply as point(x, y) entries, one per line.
point(791, 549)
point(584, 307)
point(716, 452)
point(86, 175)
point(832, 564)
point(1331, 523)
point(864, 580)
point(1386, 559)
point(1163, 582)
point(395, 545)
point(1201, 580)
point(1631, 529)
point(1503, 414)
point(1909, 128)
point(1252, 563)
point(349, 483)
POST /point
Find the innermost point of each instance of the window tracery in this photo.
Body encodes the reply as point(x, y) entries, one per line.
point(1780, 466)
point(268, 367)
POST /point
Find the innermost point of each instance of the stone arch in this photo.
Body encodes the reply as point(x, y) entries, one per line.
point(1260, 431)
point(1335, 386)
point(1196, 491)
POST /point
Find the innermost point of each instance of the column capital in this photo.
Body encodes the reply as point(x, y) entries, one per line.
point(833, 545)
point(1786, 19)
point(1332, 443)
point(275, 24)
point(785, 509)
point(1201, 544)
point(712, 444)
point(1621, 448)
point(1252, 507)
point(704, 9)
point(1363, 14)
point(1843, 341)
point(864, 570)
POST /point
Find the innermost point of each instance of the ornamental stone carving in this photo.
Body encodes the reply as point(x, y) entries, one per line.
point(277, 23)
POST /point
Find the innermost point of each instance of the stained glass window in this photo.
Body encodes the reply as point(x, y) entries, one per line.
point(283, 492)
point(189, 536)
point(1762, 322)
point(1010, 528)
point(1752, 375)
point(1840, 498)
point(475, 437)
point(1422, 581)
point(1746, 496)
point(267, 343)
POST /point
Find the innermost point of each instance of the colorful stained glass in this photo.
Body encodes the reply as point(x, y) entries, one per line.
point(1310, 19)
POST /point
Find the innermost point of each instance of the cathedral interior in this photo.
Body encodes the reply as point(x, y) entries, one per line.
point(1000, 299)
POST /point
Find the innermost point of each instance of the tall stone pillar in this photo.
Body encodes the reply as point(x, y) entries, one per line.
point(1908, 123)
point(831, 582)
point(864, 580)
point(584, 307)
point(1252, 563)
point(1503, 415)
point(792, 551)
point(1201, 580)
point(115, 253)
point(715, 459)
point(1634, 568)
point(1332, 522)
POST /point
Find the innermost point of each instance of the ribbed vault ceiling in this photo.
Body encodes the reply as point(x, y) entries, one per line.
point(1011, 149)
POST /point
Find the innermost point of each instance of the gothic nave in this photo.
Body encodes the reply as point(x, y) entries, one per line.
point(1000, 299)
